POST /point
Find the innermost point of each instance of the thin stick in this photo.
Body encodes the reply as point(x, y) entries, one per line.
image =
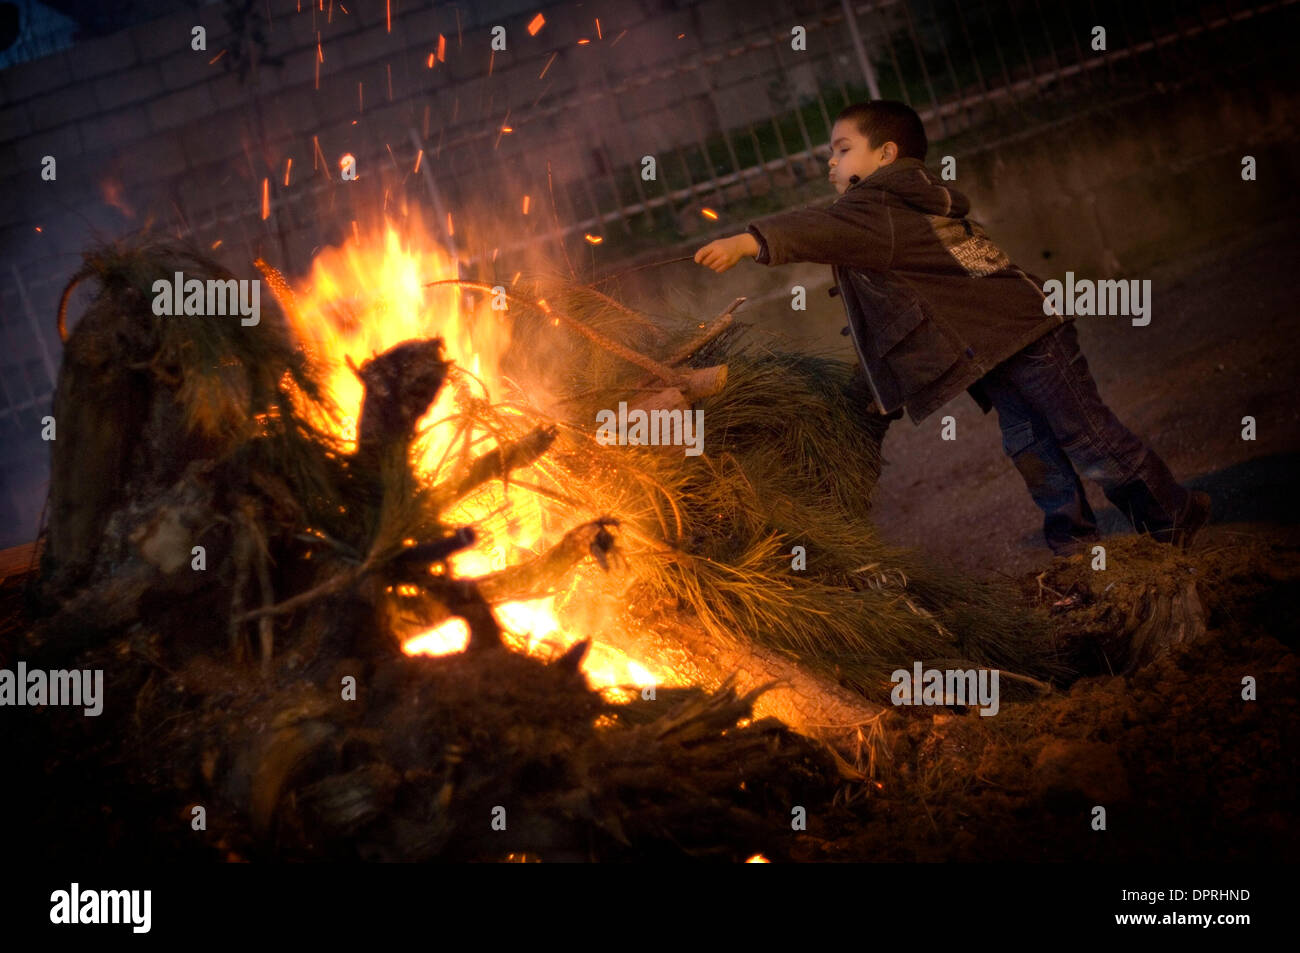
point(335, 584)
point(653, 264)
point(555, 218)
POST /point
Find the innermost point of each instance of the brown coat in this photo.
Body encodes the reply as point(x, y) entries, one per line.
point(932, 304)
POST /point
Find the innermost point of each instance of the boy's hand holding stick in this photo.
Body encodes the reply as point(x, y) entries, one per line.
point(725, 252)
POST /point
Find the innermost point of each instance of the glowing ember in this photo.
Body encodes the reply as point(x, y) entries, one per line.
point(593, 239)
point(367, 296)
point(758, 859)
point(709, 214)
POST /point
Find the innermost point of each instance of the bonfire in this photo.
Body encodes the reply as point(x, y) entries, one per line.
point(372, 579)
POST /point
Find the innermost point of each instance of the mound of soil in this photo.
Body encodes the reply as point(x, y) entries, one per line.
point(1184, 766)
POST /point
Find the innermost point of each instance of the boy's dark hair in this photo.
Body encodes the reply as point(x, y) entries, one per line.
point(887, 120)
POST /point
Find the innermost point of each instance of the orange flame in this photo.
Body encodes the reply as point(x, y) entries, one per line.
point(367, 296)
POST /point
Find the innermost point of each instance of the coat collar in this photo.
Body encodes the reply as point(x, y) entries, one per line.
point(885, 171)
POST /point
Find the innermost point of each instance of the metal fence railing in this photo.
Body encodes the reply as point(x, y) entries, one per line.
point(954, 62)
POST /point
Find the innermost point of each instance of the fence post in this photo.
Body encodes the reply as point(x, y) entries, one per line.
point(851, 18)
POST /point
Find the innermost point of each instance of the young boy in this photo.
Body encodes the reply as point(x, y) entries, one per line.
point(935, 308)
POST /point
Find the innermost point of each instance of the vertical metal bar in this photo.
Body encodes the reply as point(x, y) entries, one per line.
point(661, 176)
point(851, 18)
point(708, 160)
point(1051, 47)
point(785, 78)
point(608, 161)
point(975, 60)
point(826, 116)
point(833, 58)
point(636, 164)
point(925, 72)
point(686, 170)
point(613, 184)
point(1161, 53)
point(591, 200)
point(1029, 63)
point(1134, 56)
point(952, 72)
point(780, 144)
point(1084, 73)
point(722, 127)
point(50, 370)
point(762, 163)
point(11, 350)
point(898, 71)
point(993, 35)
point(1179, 25)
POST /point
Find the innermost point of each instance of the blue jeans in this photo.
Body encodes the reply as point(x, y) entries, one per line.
point(1054, 423)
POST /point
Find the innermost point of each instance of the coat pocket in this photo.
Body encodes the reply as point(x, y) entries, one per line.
point(916, 349)
point(904, 322)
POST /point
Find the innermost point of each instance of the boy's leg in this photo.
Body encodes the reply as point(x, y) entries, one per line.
point(1028, 440)
point(1052, 374)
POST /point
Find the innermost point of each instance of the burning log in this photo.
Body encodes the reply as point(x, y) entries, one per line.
point(426, 607)
point(500, 461)
point(666, 639)
point(549, 570)
point(400, 385)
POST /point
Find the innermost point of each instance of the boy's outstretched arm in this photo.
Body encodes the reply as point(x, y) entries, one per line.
point(855, 231)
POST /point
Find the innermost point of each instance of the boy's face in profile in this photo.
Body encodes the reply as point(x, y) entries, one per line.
point(852, 154)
